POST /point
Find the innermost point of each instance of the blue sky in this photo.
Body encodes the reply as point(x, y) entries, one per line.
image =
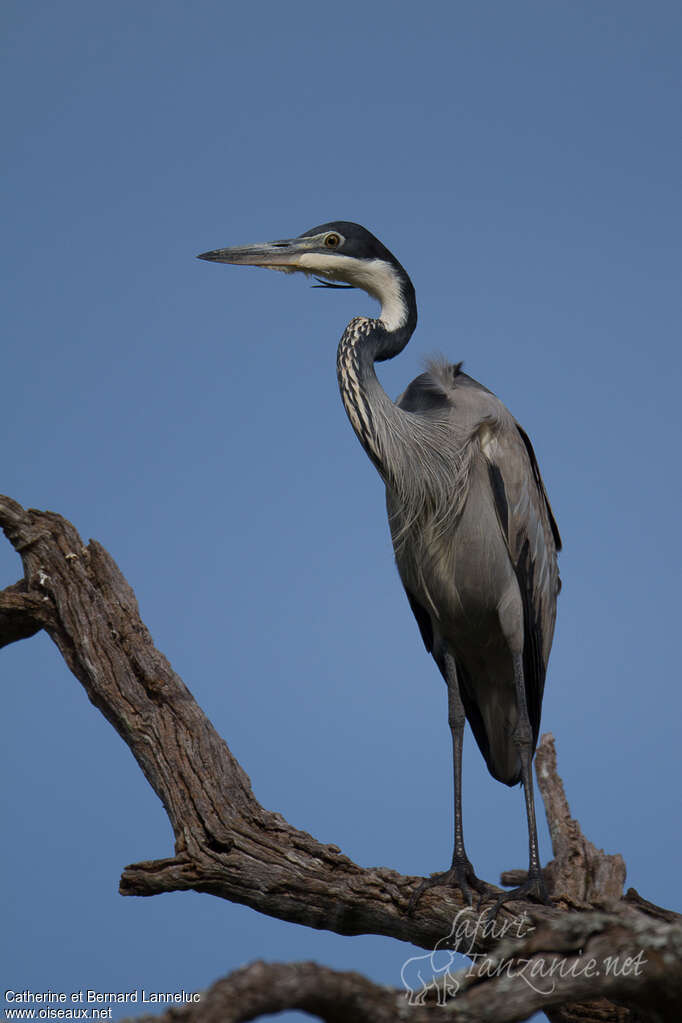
point(522, 161)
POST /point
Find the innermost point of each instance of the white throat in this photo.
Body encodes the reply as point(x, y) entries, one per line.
point(374, 276)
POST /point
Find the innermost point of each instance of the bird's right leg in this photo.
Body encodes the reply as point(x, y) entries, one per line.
point(461, 873)
point(534, 885)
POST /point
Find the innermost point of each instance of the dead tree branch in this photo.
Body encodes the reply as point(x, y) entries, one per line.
point(228, 845)
point(503, 987)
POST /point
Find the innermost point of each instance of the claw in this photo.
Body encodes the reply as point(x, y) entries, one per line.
point(460, 875)
point(534, 888)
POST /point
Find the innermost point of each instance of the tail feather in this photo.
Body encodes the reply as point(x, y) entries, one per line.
point(495, 743)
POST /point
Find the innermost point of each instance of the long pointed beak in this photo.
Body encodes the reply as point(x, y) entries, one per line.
point(283, 255)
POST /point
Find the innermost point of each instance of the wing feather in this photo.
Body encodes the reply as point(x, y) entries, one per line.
point(533, 539)
point(523, 511)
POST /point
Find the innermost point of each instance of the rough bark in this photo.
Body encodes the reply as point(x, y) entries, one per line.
point(227, 844)
point(580, 875)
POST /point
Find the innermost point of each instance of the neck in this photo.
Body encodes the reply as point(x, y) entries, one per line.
point(393, 289)
point(373, 416)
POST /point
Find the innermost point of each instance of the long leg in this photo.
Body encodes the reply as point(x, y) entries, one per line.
point(523, 739)
point(461, 873)
point(456, 720)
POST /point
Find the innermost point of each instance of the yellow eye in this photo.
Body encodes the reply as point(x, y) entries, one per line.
point(332, 241)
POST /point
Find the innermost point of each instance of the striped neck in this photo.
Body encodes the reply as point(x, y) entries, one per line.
point(370, 410)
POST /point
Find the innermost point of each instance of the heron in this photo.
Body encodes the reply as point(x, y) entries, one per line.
point(474, 536)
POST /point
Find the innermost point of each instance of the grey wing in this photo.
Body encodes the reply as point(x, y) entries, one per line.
point(424, 395)
point(523, 510)
point(532, 537)
point(541, 486)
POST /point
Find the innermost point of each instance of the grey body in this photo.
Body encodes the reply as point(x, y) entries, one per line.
point(469, 573)
point(474, 537)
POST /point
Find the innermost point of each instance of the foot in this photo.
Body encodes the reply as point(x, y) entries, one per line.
point(533, 888)
point(460, 875)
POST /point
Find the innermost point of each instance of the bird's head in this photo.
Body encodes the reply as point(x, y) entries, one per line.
point(340, 254)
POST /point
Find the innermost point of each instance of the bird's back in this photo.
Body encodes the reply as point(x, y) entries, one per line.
point(481, 573)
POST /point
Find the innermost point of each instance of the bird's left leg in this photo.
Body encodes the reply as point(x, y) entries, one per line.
point(523, 739)
point(461, 873)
